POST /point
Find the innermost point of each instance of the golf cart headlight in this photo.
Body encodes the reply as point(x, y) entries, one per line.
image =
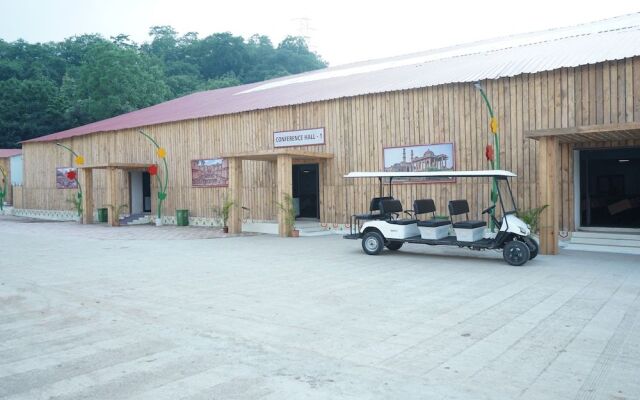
point(523, 231)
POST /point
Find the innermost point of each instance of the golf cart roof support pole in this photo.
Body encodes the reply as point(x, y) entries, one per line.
point(504, 213)
point(513, 200)
point(390, 187)
point(381, 187)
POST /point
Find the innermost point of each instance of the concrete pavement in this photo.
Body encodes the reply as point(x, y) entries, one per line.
point(180, 313)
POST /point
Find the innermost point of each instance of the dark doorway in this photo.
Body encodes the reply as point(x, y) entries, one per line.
point(610, 188)
point(306, 190)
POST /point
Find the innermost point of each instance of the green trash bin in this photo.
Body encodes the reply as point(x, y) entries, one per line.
point(182, 217)
point(102, 215)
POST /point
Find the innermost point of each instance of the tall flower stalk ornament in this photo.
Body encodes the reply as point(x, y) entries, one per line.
point(3, 189)
point(153, 171)
point(73, 176)
point(492, 153)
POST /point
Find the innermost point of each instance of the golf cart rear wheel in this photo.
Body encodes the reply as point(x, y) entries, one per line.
point(372, 243)
point(533, 247)
point(394, 245)
point(516, 253)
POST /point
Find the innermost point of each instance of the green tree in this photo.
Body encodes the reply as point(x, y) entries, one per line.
point(112, 80)
point(28, 108)
point(49, 87)
point(221, 53)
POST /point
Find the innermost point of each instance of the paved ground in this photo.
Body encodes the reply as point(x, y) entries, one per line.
point(84, 316)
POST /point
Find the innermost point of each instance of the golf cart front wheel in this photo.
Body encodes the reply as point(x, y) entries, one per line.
point(372, 243)
point(394, 245)
point(516, 253)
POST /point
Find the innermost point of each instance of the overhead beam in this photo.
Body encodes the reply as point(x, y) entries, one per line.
point(623, 131)
point(272, 155)
point(123, 166)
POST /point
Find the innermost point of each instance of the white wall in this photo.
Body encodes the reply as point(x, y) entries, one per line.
point(16, 170)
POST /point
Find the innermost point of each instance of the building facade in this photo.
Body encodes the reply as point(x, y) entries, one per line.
point(559, 129)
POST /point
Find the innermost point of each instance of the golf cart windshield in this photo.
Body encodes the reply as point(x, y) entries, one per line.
point(506, 197)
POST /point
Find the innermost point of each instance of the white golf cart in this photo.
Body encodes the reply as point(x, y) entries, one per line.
point(384, 225)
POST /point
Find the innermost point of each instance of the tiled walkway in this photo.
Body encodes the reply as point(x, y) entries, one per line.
point(85, 314)
point(129, 232)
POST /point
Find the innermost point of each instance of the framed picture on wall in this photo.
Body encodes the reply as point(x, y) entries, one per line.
point(420, 158)
point(210, 173)
point(62, 178)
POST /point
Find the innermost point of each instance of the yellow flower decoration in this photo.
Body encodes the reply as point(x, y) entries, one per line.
point(161, 152)
point(79, 160)
point(494, 125)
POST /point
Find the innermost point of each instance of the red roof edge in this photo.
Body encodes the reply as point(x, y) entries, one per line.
point(5, 153)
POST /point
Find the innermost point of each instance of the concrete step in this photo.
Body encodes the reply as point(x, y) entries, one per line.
point(310, 229)
point(605, 235)
point(316, 233)
point(599, 241)
point(134, 219)
point(603, 249)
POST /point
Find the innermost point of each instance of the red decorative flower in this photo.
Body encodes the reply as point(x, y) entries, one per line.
point(72, 175)
point(488, 152)
point(153, 170)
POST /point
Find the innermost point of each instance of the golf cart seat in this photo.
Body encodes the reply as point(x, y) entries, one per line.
point(468, 230)
point(390, 207)
point(469, 224)
point(426, 206)
point(374, 209)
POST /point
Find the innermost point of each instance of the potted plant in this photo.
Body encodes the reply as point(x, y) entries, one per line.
point(532, 218)
point(223, 213)
point(289, 215)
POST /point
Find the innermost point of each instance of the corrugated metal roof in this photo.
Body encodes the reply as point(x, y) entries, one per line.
point(5, 153)
point(612, 39)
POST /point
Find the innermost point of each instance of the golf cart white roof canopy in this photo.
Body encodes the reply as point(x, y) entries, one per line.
point(491, 173)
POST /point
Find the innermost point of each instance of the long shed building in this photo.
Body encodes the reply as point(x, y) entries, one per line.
point(567, 103)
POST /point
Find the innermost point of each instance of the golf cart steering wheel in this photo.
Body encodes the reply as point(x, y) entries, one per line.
point(488, 210)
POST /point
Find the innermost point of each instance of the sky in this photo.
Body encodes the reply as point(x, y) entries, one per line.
point(340, 31)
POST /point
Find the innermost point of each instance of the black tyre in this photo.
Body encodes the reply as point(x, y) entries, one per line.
point(533, 247)
point(393, 246)
point(516, 253)
point(372, 243)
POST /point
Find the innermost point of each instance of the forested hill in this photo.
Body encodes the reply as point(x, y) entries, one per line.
point(49, 87)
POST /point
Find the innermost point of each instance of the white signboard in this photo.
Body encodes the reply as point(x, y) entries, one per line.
point(305, 137)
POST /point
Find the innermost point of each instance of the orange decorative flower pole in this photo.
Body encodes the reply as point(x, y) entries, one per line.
point(153, 171)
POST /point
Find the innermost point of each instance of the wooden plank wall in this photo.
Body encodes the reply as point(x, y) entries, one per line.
point(18, 197)
point(357, 129)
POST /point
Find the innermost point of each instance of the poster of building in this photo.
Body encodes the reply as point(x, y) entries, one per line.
point(209, 173)
point(63, 176)
point(420, 158)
